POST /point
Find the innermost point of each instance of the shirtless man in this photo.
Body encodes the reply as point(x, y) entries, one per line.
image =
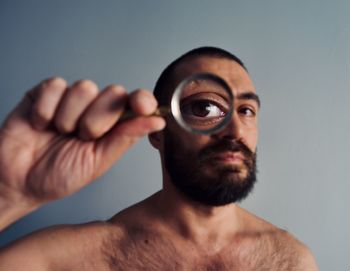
point(59, 139)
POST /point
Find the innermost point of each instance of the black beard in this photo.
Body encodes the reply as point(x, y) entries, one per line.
point(187, 172)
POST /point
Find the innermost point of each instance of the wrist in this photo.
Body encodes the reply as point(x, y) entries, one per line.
point(12, 208)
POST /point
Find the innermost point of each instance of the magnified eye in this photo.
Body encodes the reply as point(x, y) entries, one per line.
point(202, 109)
point(202, 103)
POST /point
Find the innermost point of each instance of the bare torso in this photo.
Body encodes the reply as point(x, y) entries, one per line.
point(145, 249)
point(133, 240)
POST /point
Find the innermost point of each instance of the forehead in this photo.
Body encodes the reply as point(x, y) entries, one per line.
point(235, 76)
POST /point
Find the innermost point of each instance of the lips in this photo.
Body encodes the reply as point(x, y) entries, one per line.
point(229, 157)
point(227, 153)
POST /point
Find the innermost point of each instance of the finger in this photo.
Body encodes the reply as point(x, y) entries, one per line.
point(46, 98)
point(76, 99)
point(110, 147)
point(142, 102)
point(34, 109)
point(19, 116)
point(103, 113)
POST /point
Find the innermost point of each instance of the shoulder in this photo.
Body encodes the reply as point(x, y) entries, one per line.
point(303, 254)
point(56, 246)
point(140, 214)
point(286, 252)
point(279, 245)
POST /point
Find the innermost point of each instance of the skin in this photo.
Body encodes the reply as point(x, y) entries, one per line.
point(166, 231)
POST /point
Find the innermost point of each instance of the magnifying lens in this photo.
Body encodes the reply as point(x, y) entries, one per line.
point(202, 103)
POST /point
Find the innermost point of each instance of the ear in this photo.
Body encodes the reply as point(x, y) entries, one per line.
point(156, 140)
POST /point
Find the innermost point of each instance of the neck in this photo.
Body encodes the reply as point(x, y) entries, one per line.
point(196, 222)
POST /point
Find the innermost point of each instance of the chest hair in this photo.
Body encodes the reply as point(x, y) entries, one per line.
point(143, 249)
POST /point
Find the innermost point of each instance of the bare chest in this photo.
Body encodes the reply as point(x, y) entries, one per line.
point(148, 252)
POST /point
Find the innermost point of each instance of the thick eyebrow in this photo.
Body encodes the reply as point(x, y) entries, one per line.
point(249, 96)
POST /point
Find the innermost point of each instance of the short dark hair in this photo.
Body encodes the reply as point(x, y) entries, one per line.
point(164, 81)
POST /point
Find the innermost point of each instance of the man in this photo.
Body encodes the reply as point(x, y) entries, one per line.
point(61, 138)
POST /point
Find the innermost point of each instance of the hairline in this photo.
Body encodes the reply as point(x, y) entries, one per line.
point(163, 96)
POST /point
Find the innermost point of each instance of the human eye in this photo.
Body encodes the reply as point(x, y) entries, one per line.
point(247, 111)
point(204, 108)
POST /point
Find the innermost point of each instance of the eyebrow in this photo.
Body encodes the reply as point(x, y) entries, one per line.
point(249, 96)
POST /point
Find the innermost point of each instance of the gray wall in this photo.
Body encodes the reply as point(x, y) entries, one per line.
point(298, 53)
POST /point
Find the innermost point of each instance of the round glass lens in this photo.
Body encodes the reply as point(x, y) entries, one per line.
point(202, 103)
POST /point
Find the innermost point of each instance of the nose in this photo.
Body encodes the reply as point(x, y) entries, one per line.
point(233, 130)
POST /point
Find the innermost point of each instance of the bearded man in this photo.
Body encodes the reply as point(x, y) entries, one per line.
point(60, 138)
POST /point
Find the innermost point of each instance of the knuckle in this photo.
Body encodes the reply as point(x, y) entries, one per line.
point(85, 84)
point(51, 85)
point(54, 82)
point(141, 91)
point(116, 89)
point(85, 88)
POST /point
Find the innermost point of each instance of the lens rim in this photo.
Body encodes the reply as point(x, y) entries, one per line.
point(175, 103)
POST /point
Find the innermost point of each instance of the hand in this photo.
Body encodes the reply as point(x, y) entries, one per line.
point(59, 138)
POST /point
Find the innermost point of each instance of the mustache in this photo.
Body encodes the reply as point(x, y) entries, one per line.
point(226, 145)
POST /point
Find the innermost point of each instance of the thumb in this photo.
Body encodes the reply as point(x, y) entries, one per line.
point(114, 144)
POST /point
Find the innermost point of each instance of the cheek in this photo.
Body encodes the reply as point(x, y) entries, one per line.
point(252, 139)
point(186, 140)
point(193, 142)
